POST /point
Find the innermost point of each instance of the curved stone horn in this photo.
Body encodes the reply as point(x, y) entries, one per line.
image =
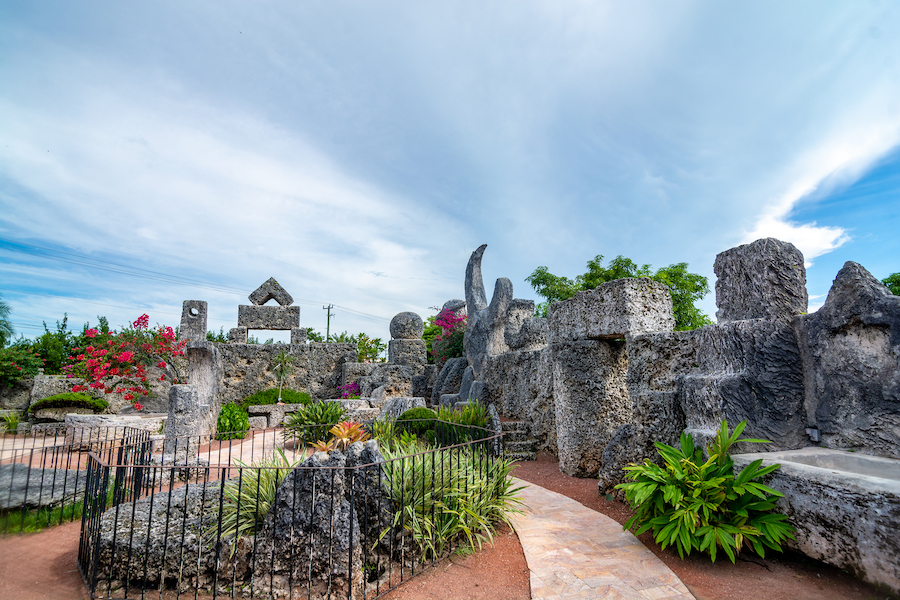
point(476, 299)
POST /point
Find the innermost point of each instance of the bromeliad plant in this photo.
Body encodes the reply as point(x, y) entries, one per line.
point(313, 422)
point(694, 503)
point(343, 434)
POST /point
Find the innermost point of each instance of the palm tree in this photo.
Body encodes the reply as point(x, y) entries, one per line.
point(283, 366)
point(6, 328)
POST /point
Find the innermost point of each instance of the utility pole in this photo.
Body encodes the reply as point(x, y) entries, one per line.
point(328, 322)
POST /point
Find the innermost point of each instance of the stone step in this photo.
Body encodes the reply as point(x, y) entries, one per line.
point(515, 436)
point(520, 446)
point(513, 425)
point(516, 456)
point(360, 415)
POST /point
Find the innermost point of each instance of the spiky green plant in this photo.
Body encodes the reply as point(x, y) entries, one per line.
point(313, 421)
point(697, 504)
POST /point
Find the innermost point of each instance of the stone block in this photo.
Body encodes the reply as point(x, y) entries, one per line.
point(591, 401)
point(762, 280)
point(466, 383)
point(423, 385)
point(851, 357)
point(270, 290)
point(185, 421)
point(237, 335)
point(268, 317)
point(613, 310)
point(352, 371)
point(394, 407)
point(193, 320)
point(298, 335)
point(258, 422)
point(407, 326)
point(448, 379)
point(407, 352)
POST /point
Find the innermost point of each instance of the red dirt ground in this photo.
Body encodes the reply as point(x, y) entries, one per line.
point(42, 566)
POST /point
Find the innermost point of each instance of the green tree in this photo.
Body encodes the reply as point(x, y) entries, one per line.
point(686, 288)
point(6, 327)
point(314, 336)
point(893, 283)
point(370, 349)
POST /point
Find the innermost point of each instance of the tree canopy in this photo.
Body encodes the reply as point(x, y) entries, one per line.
point(685, 287)
point(893, 283)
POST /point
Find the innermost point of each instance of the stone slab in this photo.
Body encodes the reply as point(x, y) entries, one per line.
point(270, 290)
point(268, 317)
point(193, 320)
point(407, 352)
point(615, 309)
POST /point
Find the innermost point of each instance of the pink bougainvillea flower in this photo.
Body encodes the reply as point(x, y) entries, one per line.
point(137, 406)
point(91, 333)
point(161, 364)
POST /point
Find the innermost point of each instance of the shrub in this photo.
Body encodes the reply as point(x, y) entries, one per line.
point(701, 505)
point(233, 423)
point(70, 400)
point(313, 422)
point(11, 422)
point(469, 423)
point(18, 362)
point(417, 421)
point(270, 396)
point(248, 497)
point(444, 497)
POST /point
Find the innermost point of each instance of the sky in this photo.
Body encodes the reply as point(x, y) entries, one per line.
point(156, 152)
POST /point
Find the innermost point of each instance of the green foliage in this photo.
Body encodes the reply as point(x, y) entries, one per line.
point(212, 336)
point(18, 362)
point(6, 327)
point(385, 432)
point(893, 283)
point(685, 288)
point(233, 422)
point(370, 349)
point(443, 498)
point(249, 497)
point(417, 420)
point(282, 365)
point(694, 503)
point(429, 334)
point(252, 339)
point(70, 400)
point(313, 422)
point(468, 423)
point(270, 396)
point(10, 422)
point(314, 336)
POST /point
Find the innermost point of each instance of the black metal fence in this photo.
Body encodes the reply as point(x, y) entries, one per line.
point(43, 475)
point(262, 517)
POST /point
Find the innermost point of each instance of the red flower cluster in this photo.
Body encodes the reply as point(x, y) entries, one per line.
point(121, 366)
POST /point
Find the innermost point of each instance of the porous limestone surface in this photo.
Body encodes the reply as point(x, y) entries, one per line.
point(762, 280)
point(268, 317)
point(613, 310)
point(845, 507)
point(407, 326)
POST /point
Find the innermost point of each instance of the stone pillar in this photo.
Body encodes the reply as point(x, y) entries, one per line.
point(183, 423)
point(193, 320)
point(237, 335)
point(298, 335)
point(762, 280)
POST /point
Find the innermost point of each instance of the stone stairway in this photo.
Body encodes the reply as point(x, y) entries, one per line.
point(517, 441)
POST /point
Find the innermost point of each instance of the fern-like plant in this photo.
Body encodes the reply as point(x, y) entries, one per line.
point(694, 503)
point(233, 422)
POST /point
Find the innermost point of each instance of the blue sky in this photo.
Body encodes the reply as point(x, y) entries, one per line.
point(359, 152)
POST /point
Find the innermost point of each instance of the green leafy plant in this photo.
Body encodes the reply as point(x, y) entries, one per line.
point(385, 432)
point(233, 423)
point(444, 498)
point(418, 420)
point(468, 423)
point(18, 362)
point(70, 400)
point(694, 503)
point(248, 497)
point(11, 422)
point(270, 396)
point(313, 421)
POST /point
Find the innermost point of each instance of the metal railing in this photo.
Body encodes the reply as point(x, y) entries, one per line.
point(268, 518)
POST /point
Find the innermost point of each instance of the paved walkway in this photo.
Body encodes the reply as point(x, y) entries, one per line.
point(575, 552)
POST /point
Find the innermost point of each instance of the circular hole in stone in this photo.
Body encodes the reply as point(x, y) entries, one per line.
point(194, 312)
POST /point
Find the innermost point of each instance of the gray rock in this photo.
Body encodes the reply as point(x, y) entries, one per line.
point(268, 317)
point(407, 352)
point(524, 331)
point(481, 392)
point(486, 324)
point(466, 383)
point(394, 407)
point(16, 396)
point(449, 379)
point(448, 400)
point(407, 326)
point(591, 401)
point(612, 310)
point(237, 335)
point(851, 352)
point(298, 335)
point(186, 420)
point(44, 386)
point(193, 320)
point(457, 305)
point(269, 290)
point(30, 487)
point(762, 280)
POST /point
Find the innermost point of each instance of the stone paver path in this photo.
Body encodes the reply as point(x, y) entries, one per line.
point(575, 552)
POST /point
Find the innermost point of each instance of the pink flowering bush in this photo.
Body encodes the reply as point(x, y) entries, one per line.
point(349, 391)
point(119, 363)
point(449, 343)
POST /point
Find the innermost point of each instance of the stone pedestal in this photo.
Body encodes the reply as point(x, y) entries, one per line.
point(407, 352)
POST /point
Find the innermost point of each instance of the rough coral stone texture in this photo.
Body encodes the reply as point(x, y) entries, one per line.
point(298, 335)
point(852, 361)
point(747, 370)
point(523, 331)
point(612, 310)
point(193, 320)
point(237, 335)
point(762, 280)
point(268, 317)
point(270, 290)
point(407, 326)
point(407, 352)
point(449, 379)
point(591, 401)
